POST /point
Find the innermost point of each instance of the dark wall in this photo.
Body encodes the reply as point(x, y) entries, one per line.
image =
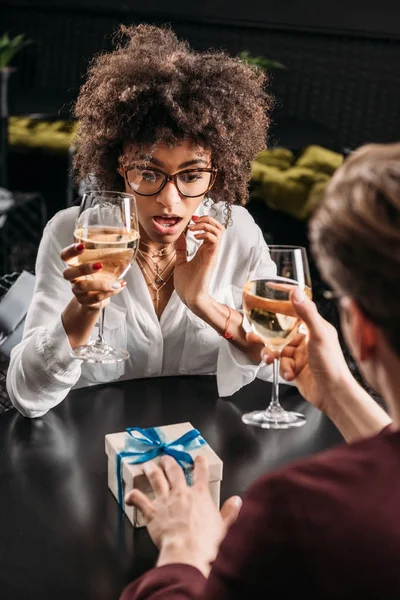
point(364, 17)
point(342, 63)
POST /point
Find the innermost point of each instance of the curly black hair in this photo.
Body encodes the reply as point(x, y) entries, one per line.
point(154, 88)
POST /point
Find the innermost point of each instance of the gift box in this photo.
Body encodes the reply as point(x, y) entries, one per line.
point(128, 450)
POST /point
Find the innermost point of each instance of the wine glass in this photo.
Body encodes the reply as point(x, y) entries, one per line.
point(107, 226)
point(270, 311)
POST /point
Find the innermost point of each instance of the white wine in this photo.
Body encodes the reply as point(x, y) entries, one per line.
point(270, 311)
point(114, 247)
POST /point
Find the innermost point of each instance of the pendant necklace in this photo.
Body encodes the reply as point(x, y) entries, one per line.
point(152, 284)
point(158, 253)
point(155, 267)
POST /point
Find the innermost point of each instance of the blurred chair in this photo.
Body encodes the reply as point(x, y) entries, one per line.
point(16, 291)
point(21, 226)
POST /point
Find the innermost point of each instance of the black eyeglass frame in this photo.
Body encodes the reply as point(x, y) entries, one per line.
point(212, 170)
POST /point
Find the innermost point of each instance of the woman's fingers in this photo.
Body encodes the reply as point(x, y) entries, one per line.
point(210, 229)
point(71, 251)
point(83, 286)
point(72, 273)
point(200, 221)
point(207, 237)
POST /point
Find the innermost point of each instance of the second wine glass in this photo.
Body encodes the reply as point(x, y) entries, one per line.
point(107, 226)
point(269, 309)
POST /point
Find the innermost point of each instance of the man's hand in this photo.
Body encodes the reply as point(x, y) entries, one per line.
point(183, 521)
point(314, 361)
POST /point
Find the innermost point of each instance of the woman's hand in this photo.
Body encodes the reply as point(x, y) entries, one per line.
point(314, 361)
point(89, 292)
point(192, 278)
point(183, 521)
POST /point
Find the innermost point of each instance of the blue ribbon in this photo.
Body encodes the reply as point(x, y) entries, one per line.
point(146, 444)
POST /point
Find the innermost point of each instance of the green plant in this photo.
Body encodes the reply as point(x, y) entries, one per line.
point(10, 46)
point(260, 61)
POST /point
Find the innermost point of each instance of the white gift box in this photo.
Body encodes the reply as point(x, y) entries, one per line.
point(124, 476)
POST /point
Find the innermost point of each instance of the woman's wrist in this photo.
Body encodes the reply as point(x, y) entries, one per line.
point(78, 322)
point(201, 305)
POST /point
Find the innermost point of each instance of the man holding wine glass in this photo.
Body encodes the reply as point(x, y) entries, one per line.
point(326, 526)
point(153, 284)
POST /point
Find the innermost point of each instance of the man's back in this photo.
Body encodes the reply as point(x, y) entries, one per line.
point(329, 526)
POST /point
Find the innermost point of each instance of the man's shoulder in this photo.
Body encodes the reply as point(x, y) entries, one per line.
point(334, 478)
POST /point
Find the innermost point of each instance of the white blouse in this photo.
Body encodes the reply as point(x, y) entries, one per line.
point(41, 371)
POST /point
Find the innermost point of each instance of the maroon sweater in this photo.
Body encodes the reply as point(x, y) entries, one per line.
point(328, 526)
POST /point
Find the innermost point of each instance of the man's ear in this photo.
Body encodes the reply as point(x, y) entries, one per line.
point(362, 334)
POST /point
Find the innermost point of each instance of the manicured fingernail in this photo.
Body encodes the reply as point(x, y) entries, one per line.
point(298, 295)
point(237, 501)
point(97, 266)
point(116, 285)
point(195, 218)
point(123, 283)
point(286, 375)
point(80, 247)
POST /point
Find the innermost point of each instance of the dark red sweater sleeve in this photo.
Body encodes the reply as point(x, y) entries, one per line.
point(170, 582)
point(252, 550)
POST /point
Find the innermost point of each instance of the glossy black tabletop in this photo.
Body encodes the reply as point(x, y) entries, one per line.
point(62, 534)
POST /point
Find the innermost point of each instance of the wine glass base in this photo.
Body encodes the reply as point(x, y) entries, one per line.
point(99, 353)
point(274, 419)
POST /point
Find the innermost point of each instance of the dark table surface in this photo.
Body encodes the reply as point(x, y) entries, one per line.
point(62, 534)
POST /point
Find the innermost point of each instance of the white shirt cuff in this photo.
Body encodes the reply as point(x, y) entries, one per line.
point(56, 350)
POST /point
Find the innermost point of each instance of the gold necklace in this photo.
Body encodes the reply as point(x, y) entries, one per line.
point(158, 253)
point(158, 275)
point(152, 284)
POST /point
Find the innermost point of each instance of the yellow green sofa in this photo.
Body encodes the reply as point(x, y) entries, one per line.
point(290, 184)
point(286, 183)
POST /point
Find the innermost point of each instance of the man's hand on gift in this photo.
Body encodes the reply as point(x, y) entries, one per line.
point(183, 521)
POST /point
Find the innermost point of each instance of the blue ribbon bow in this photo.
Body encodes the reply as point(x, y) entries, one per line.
point(152, 442)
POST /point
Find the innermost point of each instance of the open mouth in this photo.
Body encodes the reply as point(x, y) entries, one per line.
point(166, 225)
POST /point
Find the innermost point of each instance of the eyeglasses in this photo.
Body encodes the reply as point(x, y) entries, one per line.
point(190, 183)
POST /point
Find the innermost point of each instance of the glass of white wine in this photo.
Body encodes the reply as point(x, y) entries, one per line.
point(271, 314)
point(107, 225)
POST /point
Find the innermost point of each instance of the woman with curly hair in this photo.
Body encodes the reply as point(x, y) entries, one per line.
point(179, 129)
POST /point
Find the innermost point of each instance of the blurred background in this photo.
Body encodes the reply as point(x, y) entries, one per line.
point(334, 71)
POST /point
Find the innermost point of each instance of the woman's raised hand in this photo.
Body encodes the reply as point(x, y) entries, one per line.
point(192, 278)
point(89, 291)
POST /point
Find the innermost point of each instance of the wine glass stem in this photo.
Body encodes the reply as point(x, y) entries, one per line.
point(100, 339)
point(274, 404)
